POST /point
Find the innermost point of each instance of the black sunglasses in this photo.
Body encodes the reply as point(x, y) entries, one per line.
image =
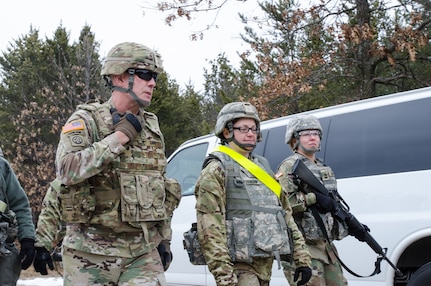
point(146, 75)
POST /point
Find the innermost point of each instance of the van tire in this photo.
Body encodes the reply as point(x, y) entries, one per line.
point(422, 276)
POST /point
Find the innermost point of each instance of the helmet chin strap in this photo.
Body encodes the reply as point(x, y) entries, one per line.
point(309, 151)
point(244, 146)
point(129, 90)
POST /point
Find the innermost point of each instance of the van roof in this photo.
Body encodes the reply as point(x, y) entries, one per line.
point(340, 109)
point(359, 105)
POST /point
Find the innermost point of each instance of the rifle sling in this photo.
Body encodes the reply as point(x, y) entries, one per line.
point(319, 220)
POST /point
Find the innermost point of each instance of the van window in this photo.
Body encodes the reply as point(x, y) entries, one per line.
point(186, 166)
point(275, 148)
point(382, 140)
point(260, 146)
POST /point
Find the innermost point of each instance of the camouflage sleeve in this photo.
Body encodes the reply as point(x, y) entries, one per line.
point(78, 157)
point(49, 226)
point(301, 254)
point(172, 200)
point(211, 210)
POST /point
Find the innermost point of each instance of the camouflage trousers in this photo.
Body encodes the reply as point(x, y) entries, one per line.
point(248, 278)
point(322, 274)
point(82, 268)
point(10, 266)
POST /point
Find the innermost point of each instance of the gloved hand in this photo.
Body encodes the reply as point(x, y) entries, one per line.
point(127, 123)
point(43, 257)
point(165, 253)
point(359, 233)
point(305, 275)
point(26, 254)
point(326, 203)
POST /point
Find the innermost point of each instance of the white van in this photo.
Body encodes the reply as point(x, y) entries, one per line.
point(380, 151)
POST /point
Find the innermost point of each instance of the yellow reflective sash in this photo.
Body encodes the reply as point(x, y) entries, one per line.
point(257, 171)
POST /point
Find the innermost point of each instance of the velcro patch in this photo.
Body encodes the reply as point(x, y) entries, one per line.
point(77, 140)
point(73, 126)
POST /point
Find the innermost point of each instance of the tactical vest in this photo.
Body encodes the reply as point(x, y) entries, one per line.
point(255, 220)
point(335, 229)
point(132, 184)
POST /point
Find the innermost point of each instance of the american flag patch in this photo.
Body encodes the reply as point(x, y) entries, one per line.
point(73, 126)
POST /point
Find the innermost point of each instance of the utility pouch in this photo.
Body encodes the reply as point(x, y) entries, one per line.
point(339, 230)
point(77, 203)
point(192, 246)
point(311, 229)
point(142, 197)
point(240, 239)
point(271, 234)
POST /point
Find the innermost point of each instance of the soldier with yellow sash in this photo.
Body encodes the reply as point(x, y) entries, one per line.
point(244, 220)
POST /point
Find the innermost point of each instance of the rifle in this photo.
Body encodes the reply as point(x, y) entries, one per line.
point(342, 210)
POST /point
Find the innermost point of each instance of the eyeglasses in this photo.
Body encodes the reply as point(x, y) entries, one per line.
point(309, 133)
point(244, 129)
point(146, 75)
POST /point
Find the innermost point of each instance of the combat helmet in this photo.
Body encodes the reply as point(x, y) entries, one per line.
point(300, 123)
point(128, 55)
point(232, 111)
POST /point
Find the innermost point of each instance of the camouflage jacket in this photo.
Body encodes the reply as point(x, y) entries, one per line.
point(15, 197)
point(90, 154)
point(211, 221)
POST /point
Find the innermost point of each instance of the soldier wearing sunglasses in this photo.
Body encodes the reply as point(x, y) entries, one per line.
point(114, 196)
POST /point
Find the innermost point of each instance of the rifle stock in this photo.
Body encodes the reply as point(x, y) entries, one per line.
point(342, 210)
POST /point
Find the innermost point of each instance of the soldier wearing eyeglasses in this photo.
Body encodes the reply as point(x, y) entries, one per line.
point(320, 228)
point(244, 220)
point(114, 195)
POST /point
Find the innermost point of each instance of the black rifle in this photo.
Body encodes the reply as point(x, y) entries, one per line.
point(342, 211)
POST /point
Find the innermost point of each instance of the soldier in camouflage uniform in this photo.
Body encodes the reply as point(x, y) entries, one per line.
point(303, 135)
point(114, 195)
point(243, 223)
point(15, 222)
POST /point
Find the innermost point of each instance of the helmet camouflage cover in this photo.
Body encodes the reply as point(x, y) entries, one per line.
point(299, 123)
point(236, 110)
point(131, 55)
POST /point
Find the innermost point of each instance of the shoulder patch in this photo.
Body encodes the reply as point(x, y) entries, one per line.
point(73, 126)
point(278, 175)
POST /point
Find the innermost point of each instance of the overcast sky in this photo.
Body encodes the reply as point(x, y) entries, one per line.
point(113, 22)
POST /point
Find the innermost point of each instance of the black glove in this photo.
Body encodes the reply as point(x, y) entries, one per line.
point(165, 253)
point(305, 275)
point(26, 254)
point(43, 257)
point(326, 203)
point(127, 123)
point(360, 233)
